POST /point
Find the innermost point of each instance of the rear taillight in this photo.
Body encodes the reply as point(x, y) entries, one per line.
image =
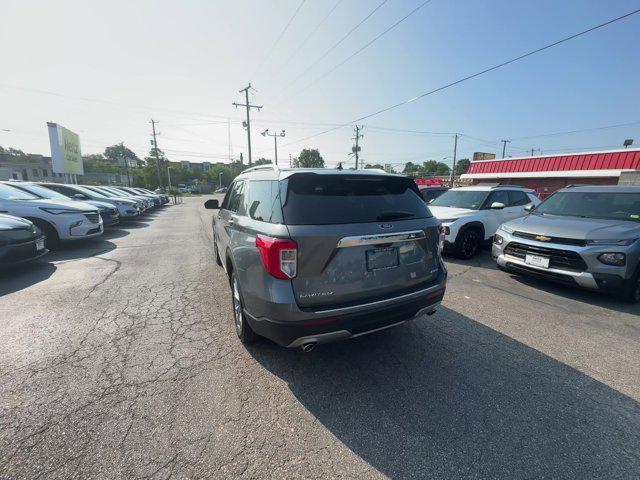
point(443, 231)
point(279, 255)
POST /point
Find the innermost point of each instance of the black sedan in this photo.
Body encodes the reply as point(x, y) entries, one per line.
point(20, 241)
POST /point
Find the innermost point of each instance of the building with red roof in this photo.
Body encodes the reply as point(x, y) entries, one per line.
point(548, 173)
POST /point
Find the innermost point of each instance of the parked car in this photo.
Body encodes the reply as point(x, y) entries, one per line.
point(431, 193)
point(163, 198)
point(157, 201)
point(146, 202)
point(20, 241)
point(127, 208)
point(58, 219)
point(471, 215)
point(587, 236)
point(221, 190)
point(108, 212)
point(365, 257)
point(139, 207)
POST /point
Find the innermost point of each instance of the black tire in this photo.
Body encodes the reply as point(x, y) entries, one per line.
point(242, 327)
point(631, 291)
point(467, 243)
point(216, 252)
point(53, 240)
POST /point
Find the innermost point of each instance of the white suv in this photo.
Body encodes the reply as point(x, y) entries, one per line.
point(471, 215)
point(58, 219)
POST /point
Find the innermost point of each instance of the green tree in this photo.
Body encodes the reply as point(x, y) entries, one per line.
point(375, 165)
point(309, 158)
point(434, 168)
point(462, 166)
point(262, 161)
point(118, 153)
point(410, 168)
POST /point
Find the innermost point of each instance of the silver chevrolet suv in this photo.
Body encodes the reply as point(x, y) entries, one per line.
point(587, 236)
point(318, 255)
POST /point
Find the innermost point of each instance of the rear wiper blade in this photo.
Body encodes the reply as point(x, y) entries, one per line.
point(393, 215)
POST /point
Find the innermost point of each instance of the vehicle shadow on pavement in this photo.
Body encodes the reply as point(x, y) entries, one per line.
point(481, 260)
point(447, 397)
point(16, 278)
point(133, 224)
point(83, 248)
point(606, 300)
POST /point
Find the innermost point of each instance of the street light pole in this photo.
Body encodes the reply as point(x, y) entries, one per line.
point(275, 140)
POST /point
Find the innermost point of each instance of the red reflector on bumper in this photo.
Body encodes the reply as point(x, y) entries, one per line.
point(322, 321)
point(437, 293)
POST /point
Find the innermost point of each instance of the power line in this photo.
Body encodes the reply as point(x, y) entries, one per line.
point(360, 50)
point(311, 33)
point(469, 77)
point(335, 45)
point(286, 27)
point(568, 132)
point(110, 102)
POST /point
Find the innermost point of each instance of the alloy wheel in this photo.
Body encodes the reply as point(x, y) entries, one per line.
point(237, 307)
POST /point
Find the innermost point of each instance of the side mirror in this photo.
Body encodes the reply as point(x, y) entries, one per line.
point(529, 208)
point(211, 204)
point(497, 206)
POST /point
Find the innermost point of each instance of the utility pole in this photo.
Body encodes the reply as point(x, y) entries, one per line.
point(169, 175)
point(155, 152)
point(356, 149)
point(504, 146)
point(248, 122)
point(455, 152)
point(229, 133)
point(275, 140)
point(220, 179)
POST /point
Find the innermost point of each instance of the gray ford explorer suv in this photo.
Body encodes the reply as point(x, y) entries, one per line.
point(318, 255)
point(587, 236)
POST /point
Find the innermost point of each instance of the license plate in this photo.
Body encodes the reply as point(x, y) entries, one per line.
point(537, 261)
point(382, 258)
point(40, 243)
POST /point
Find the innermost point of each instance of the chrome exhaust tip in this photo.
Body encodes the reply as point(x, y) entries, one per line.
point(307, 347)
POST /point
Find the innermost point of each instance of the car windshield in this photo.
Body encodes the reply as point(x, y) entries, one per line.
point(42, 191)
point(11, 193)
point(471, 199)
point(609, 205)
point(101, 192)
point(341, 199)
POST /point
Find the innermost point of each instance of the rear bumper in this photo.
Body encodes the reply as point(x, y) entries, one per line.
point(342, 326)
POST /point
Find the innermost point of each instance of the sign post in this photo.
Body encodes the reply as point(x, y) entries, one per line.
point(66, 156)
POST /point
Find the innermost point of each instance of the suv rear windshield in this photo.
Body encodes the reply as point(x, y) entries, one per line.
point(319, 199)
point(609, 205)
point(471, 199)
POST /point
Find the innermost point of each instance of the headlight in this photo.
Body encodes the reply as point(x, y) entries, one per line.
point(448, 220)
point(505, 228)
point(613, 258)
point(622, 243)
point(59, 211)
point(497, 239)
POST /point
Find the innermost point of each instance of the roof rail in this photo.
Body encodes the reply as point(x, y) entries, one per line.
point(269, 166)
point(511, 186)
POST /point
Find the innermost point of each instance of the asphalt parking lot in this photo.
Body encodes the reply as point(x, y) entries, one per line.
point(119, 360)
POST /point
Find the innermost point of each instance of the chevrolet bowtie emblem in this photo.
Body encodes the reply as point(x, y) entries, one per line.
point(542, 238)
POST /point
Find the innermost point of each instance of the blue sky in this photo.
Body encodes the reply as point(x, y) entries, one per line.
point(114, 65)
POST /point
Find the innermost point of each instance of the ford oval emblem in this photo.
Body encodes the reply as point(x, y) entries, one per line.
point(386, 226)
